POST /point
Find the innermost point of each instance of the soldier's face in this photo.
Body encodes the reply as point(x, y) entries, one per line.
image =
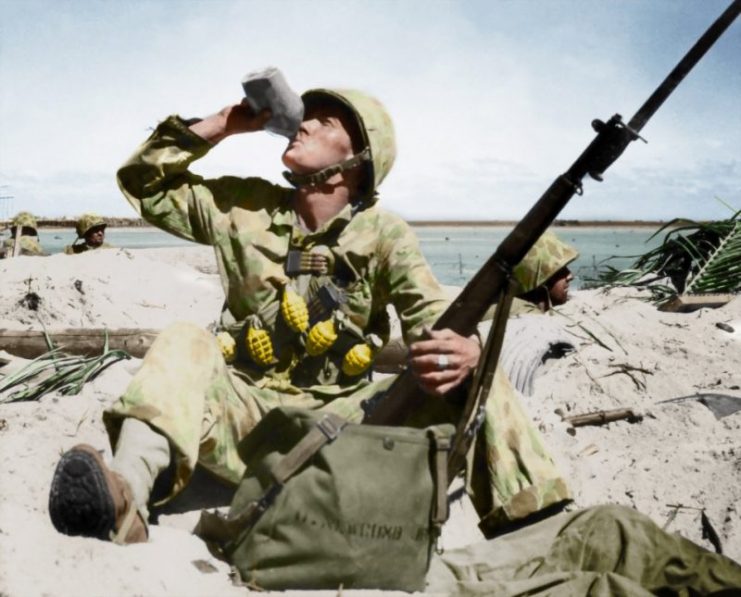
point(322, 140)
point(558, 286)
point(95, 236)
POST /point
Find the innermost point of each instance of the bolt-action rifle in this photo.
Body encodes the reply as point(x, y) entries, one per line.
point(490, 283)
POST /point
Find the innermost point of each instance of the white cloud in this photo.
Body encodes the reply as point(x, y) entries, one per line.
point(491, 99)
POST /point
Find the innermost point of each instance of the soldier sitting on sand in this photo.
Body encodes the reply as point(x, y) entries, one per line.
point(194, 398)
point(25, 228)
point(324, 243)
point(91, 230)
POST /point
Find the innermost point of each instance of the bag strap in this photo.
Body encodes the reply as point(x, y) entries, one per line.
point(324, 431)
point(216, 528)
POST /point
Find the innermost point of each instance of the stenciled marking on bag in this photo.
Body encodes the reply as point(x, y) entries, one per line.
point(364, 530)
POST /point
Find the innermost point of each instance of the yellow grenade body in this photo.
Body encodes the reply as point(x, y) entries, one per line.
point(294, 310)
point(227, 345)
point(357, 360)
point(321, 337)
point(259, 345)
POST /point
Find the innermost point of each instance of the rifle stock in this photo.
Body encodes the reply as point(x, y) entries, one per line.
point(612, 138)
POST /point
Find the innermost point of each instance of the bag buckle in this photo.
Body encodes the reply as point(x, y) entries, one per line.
point(268, 498)
point(330, 426)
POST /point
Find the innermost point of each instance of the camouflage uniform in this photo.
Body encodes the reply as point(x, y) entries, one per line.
point(86, 223)
point(185, 388)
point(548, 255)
point(30, 245)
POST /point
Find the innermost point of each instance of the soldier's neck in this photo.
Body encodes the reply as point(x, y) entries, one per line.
point(317, 205)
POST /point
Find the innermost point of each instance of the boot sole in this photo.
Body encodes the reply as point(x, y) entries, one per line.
point(80, 502)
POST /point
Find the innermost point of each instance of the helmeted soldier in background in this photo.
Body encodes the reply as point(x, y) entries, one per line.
point(308, 272)
point(539, 282)
point(24, 227)
point(90, 230)
point(542, 277)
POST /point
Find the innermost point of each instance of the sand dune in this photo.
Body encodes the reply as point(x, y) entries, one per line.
point(680, 454)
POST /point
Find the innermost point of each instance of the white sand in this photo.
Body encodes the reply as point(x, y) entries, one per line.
point(678, 454)
point(111, 288)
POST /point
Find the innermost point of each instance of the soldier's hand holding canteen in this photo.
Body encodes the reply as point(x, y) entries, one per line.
point(231, 120)
point(241, 118)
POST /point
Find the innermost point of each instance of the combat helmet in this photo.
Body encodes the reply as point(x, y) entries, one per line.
point(548, 255)
point(87, 222)
point(25, 219)
point(376, 130)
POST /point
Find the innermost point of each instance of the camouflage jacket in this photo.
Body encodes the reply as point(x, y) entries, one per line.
point(77, 248)
point(374, 256)
point(29, 246)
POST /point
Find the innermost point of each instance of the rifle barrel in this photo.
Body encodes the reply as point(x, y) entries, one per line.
point(612, 138)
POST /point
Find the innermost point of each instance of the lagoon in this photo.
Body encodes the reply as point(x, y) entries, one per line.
point(455, 252)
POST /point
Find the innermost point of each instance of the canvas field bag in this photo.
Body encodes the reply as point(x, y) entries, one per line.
point(326, 503)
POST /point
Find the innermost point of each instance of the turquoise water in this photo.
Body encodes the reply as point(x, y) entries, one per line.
point(455, 253)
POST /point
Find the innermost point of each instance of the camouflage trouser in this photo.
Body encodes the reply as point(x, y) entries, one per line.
point(606, 550)
point(511, 474)
point(204, 407)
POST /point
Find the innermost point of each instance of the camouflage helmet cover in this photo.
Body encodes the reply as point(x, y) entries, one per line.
point(87, 222)
point(376, 127)
point(25, 219)
point(548, 255)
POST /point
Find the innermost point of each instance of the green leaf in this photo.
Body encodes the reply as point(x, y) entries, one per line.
point(70, 374)
point(695, 256)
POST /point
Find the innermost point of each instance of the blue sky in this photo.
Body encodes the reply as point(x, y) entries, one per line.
point(491, 99)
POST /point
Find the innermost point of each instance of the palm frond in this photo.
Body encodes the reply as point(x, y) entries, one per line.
point(694, 257)
point(721, 271)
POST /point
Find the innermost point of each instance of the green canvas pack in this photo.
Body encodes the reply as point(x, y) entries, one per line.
point(326, 503)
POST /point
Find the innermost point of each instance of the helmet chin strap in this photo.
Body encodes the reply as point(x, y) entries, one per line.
point(322, 176)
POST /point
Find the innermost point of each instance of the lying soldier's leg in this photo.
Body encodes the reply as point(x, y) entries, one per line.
point(609, 548)
point(512, 476)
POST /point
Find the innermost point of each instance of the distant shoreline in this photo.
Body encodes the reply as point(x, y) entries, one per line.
point(556, 224)
point(140, 223)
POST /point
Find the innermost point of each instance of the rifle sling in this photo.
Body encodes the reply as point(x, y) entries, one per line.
point(471, 417)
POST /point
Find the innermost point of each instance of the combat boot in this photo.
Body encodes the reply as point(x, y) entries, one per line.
point(89, 499)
